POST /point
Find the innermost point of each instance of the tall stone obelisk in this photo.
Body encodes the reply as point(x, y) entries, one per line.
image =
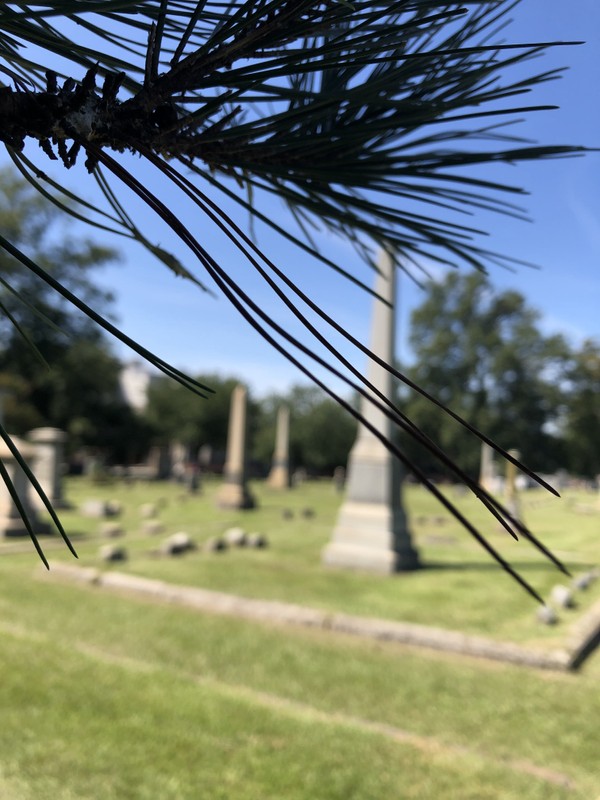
point(279, 476)
point(234, 492)
point(372, 531)
point(511, 493)
point(487, 471)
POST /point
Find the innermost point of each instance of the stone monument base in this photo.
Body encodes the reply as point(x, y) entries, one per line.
point(279, 478)
point(234, 495)
point(58, 504)
point(14, 526)
point(372, 538)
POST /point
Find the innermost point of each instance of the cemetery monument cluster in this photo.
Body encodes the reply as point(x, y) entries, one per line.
point(371, 532)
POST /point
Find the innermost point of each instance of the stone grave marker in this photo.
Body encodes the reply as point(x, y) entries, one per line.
point(488, 477)
point(562, 596)
point(11, 523)
point(279, 476)
point(511, 493)
point(234, 492)
point(372, 531)
point(235, 537)
point(177, 544)
point(112, 552)
point(49, 446)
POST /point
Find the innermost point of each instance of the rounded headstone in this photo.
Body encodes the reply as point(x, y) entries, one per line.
point(215, 545)
point(235, 537)
point(112, 552)
point(114, 508)
point(94, 508)
point(562, 596)
point(583, 582)
point(546, 615)
point(152, 527)
point(177, 544)
point(256, 540)
point(111, 530)
point(148, 510)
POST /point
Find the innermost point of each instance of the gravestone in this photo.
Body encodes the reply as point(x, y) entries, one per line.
point(235, 537)
point(112, 552)
point(159, 462)
point(234, 492)
point(511, 493)
point(49, 446)
point(372, 531)
point(178, 458)
point(11, 522)
point(148, 510)
point(488, 477)
point(177, 544)
point(279, 477)
point(111, 530)
point(339, 479)
point(257, 540)
point(562, 596)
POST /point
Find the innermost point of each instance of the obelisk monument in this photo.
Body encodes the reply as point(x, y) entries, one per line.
point(279, 476)
point(234, 492)
point(372, 530)
point(487, 470)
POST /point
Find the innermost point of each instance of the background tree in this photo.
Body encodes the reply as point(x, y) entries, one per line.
point(32, 312)
point(581, 422)
point(482, 354)
point(54, 361)
point(85, 399)
point(176, 415)
point(37, 325)
point(321, 433)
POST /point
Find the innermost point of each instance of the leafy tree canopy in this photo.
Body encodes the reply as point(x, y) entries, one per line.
point(55, 366)
point(321, 433)
point(581, 421)
point(34, 317)
point(481, 353)
point(176, 415)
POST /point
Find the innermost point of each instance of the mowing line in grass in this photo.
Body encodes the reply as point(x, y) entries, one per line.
point(300, 711)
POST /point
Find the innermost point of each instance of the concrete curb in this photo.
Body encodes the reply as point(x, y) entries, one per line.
point(583, 636)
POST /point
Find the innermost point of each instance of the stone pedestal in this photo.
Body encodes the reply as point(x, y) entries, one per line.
point(48, 444)
point(11, 522)
point(279, 476)
point(372, 531)
point(234, 492)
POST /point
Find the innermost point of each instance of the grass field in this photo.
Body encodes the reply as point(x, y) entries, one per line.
point(105, 696)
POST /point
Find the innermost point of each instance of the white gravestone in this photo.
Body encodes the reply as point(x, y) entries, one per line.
point(372, 531)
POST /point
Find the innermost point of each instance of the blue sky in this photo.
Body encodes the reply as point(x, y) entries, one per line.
point(201, 333)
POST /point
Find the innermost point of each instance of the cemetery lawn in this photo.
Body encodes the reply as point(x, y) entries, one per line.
point(461, 588)
point(106, 696)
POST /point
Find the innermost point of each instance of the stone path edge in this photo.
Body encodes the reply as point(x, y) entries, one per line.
point(583, 636)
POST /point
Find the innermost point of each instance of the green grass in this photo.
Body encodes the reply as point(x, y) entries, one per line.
point(104, 696)
point(107, 697)
point(460, 588)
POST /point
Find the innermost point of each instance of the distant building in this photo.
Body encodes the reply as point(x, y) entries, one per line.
point(134, 382)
